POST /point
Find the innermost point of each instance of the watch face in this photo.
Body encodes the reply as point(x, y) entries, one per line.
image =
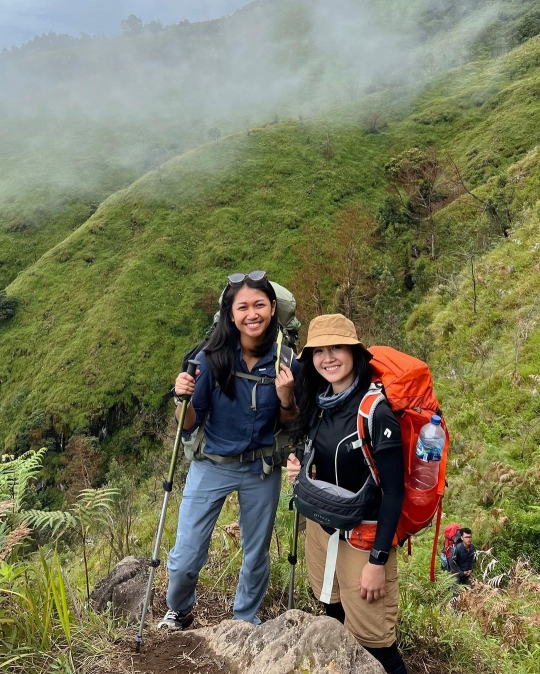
point(380, 555)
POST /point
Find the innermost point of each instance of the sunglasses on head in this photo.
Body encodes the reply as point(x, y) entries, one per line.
point(239, 279)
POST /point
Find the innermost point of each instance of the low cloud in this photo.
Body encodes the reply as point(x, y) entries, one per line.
point(87, 107)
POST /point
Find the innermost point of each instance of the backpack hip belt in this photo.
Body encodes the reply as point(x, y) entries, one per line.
point(248, 456)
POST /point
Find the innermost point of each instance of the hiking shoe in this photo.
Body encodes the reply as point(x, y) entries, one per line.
point(174, 620)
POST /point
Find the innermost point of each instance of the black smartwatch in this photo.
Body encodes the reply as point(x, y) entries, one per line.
point(378, 557)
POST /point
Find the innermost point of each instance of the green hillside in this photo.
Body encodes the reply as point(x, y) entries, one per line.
point(481, 333)
point(484, 343)
point(106, 314)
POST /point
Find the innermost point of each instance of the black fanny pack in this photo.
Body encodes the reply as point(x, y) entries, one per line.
point(328, 504)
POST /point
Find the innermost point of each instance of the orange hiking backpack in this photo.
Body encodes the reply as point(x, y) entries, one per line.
point(406, 383)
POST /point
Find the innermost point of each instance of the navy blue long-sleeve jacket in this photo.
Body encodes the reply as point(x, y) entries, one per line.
point(233, 426)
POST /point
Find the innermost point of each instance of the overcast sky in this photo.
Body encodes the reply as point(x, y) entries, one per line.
point(20, 20)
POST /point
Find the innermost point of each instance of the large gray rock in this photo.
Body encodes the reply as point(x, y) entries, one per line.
point(124, 589)
point(292, 643)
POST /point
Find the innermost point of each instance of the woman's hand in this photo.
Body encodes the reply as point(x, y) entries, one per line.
point(372, 581)
point(185, 384)
point(285, 386)
point(293, 467)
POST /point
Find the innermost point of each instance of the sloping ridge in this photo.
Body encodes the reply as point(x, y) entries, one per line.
point(106, 315)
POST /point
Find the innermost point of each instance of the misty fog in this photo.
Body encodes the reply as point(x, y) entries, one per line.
point(75, 111)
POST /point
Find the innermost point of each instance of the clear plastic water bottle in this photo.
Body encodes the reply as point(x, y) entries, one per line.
point(429, 449)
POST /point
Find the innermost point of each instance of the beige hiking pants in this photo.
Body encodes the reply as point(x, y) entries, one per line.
point(372, 625)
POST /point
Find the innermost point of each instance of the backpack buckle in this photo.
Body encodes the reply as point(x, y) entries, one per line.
point(248, 456)
point(266, 380)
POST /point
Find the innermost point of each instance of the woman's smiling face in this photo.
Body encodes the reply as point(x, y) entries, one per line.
point(252, 312)
point(335, 363)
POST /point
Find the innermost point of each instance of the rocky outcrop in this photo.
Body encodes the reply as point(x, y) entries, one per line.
point(295, 642)
point(123, 589)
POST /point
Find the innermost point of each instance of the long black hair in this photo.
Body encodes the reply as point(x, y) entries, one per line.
point(220, 351)
point(310, 383)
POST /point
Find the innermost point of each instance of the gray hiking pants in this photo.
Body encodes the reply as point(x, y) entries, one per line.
point(207, 486)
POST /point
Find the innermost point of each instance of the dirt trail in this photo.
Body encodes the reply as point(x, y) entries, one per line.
point(178, 653)
point(165, 652)
point(170, 652)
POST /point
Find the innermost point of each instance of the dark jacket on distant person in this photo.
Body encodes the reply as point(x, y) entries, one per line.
point(462, 559)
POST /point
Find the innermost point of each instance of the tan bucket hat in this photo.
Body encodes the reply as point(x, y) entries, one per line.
point(329, 330)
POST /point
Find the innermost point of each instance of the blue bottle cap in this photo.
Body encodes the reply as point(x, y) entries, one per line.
point(436, 420)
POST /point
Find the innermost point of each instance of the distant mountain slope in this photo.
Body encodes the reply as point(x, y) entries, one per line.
point(105, 315)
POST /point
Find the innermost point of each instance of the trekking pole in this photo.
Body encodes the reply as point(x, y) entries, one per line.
point(167, 488)
point(293, 553)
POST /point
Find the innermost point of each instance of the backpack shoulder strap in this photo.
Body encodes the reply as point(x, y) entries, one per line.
point(284, 354)
point(366, 412)
point(279, 346)
point(369, 403)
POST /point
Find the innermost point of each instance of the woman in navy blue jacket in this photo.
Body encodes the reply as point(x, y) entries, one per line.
point(242, 397)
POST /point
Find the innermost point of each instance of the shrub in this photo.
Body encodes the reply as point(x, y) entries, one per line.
point(8, 306)
point(521, 536)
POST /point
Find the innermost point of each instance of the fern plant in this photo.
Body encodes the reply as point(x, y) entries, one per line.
point(15, 476)
point(92, 507)
point(35, 616)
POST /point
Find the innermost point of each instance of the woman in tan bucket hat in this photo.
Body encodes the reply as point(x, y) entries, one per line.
point(363, 593)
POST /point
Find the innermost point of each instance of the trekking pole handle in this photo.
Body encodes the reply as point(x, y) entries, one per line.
point(191, 370)
point(192, 367)
point(299, 453)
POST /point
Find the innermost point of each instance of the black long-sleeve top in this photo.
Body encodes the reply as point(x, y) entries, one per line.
point(337, 462)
